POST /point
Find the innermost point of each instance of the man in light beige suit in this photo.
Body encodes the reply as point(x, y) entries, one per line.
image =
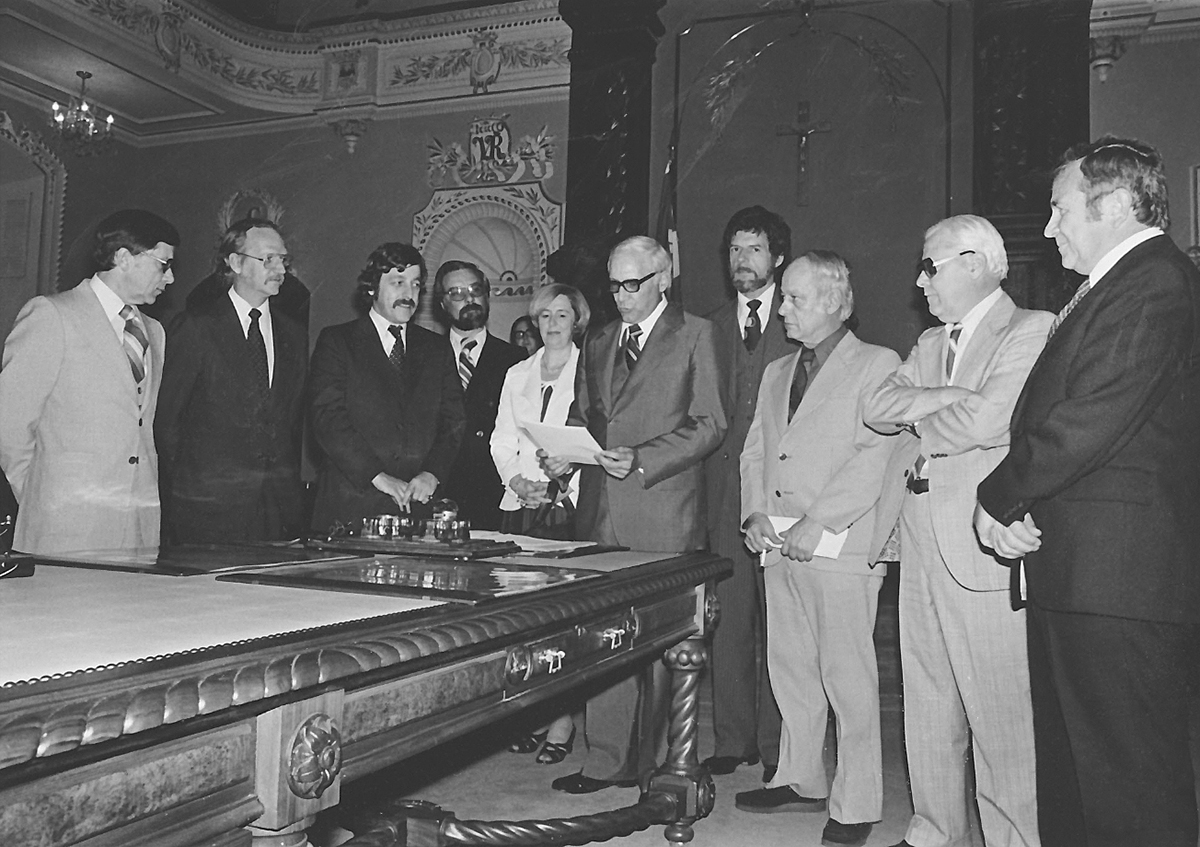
point(808, 458)
point(962, 647)
point(78, 388)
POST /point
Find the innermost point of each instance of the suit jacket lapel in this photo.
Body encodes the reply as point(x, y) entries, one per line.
point(606, 350)
point(369, 352)
point(655, 350)
point(95, 331)
point(983, 342)
point(827, 379)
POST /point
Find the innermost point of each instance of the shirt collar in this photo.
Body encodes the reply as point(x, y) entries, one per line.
point(110, 301)
point(1109, 259)
point(381, 327)
point(973, 318)
point(826, 345)
point(243, 308)
point(460, 337)
point(647, 323)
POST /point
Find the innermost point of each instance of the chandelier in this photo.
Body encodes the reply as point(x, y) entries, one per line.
point(78, 126)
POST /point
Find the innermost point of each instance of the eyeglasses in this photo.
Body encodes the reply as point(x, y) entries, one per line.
point(166, 263)
point(475, 290)
point(630, 285)
point(272, 260)
point(929, 267)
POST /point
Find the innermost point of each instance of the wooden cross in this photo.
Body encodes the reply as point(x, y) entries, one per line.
point(802, 129)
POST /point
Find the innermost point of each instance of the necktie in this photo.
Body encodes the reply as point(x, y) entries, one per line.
point(633, 349)
point(547, 390)
point(396, 357)
point(466, 368)
point(258, 353)
point(1067, 309)
point(753, 326)
point(952, 351)
point(800, 381)
point(135, 343)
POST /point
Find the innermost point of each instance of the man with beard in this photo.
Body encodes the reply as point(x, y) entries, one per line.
point(229, 422)
point(757, 245)
point(385, 399)
point(462, 291)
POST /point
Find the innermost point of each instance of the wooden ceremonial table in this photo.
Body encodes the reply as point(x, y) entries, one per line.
point(146, 704)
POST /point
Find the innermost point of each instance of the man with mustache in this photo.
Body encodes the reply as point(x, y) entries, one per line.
point(78, 390)
point(462, 291)
point(385, 400)
point(230, 415)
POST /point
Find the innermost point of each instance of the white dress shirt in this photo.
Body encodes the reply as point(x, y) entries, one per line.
point(264, 326)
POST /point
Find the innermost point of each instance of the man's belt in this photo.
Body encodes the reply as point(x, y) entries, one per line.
point(917, 484)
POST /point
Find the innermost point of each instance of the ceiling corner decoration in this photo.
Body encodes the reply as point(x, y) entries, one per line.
point(173, 70)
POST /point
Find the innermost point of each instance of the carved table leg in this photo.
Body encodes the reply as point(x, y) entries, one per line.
point(682, 774)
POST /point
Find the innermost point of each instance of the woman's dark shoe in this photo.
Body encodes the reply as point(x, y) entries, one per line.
point(527, 743)
point(553, 752)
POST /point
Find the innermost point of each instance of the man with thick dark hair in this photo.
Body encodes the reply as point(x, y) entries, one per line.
point(230, 415)
point(757, 245)
point(1099, 494)
point(78, 392)
point(384, 399)
point(462, 293)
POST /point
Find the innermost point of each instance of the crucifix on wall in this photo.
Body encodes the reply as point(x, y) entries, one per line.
point(802, 129)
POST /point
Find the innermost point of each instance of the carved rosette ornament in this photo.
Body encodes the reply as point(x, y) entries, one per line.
point(316, 758)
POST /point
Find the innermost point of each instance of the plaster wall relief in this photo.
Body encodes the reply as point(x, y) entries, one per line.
point(491, 215)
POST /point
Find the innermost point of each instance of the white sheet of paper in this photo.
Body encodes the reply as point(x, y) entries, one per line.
point(830, 545)
point(573, 443)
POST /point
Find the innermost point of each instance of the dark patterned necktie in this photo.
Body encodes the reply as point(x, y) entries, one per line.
point(753, 326)
point(1070, 307)
point(952, 351)
point(258, 354)
point(396, 357)
point(134, 342)
point(800, 381)
point(466, 368)
point(633, 348)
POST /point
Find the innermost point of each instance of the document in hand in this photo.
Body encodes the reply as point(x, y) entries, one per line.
point(830, 545)
point(573, 443)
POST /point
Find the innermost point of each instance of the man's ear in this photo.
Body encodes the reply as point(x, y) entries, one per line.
point(1117, 206)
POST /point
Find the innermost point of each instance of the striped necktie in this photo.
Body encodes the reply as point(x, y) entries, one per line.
point(633, 348)
point(1070, 307)
point(466, 368)
point(134, 340)
point(952, 351)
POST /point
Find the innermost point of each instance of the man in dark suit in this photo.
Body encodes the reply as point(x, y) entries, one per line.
point(1100, 493)
point(385, 399)
point(229, 422)
point(749, 336)
point(482, 359)
point(648, 390)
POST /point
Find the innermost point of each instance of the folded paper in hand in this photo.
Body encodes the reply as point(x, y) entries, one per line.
point(830, 545)
point(573, 443)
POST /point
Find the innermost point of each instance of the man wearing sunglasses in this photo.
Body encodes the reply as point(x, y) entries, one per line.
point(230, 414)
point(78, 394)
point(966, 674)
point(1100, 496)
point(463, 296)
point(648, 390)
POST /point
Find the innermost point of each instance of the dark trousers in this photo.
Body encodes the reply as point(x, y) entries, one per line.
point(1110, 720)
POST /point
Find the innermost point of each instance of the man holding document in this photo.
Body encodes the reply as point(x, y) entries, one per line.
point(647, 389)
point(810, 465)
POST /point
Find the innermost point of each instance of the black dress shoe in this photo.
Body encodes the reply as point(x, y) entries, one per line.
point(769, 772)
point(727, 764)
point(781, 799)
point(577, 783)
point(852, 834)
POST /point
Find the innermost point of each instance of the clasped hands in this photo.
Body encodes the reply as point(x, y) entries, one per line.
point(1012, 541)
point(617, 462)
point(420, 488)
point(798, 542)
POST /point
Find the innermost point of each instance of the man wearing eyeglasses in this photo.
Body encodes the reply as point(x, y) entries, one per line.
point(78, 394)
point(966, 675)
point(462, 293)
point(230, 413)
point(1100, 494)
point(648, 390)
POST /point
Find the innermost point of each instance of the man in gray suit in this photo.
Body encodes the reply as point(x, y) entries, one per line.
point(78, 390)
point(749, 336)
point(962, 648)
point(647, 388)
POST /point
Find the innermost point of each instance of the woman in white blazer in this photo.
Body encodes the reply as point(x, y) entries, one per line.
point(541, 389)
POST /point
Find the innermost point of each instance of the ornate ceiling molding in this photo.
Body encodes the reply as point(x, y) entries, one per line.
point(1146, 21)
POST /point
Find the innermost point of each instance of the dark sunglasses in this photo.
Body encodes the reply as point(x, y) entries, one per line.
point(166, 263)
point(929, 267)
point(630, 285)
